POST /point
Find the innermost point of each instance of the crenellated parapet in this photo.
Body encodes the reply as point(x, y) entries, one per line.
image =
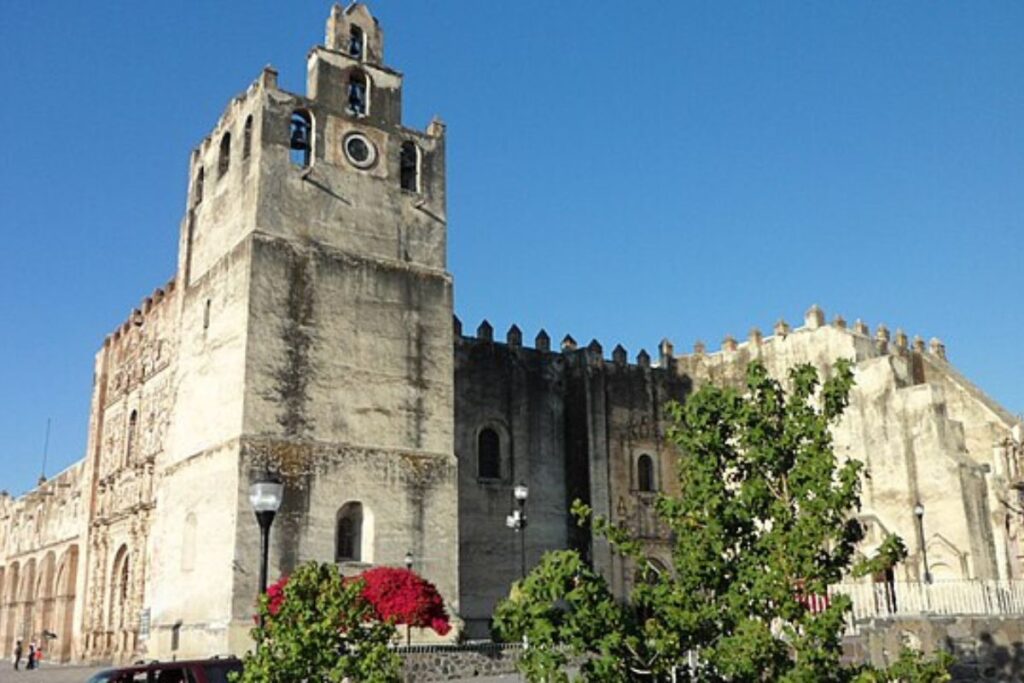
point(148, 309)
point(860, 342)
point(593, 351)
point(142, 346)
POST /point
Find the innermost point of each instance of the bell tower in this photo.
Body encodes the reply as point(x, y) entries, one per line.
point(349, 374)
point(317, 328)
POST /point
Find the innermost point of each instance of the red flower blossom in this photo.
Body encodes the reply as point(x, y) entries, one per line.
point(275, 595)
point(404, 597)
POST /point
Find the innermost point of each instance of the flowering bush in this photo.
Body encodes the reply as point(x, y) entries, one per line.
point(318, 626)
point(403, 597)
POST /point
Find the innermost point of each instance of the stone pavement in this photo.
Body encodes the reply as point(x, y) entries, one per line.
point(77, 674)
point(46, 674)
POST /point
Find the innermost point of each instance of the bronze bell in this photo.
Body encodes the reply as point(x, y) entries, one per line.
point(300, 140)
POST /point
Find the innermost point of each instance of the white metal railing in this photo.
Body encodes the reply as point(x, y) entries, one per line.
point(955, 597)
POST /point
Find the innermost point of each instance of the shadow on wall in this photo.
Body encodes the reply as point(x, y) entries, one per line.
point(986, 660)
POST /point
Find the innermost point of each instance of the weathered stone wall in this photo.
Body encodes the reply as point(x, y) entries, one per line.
point(519, 393)
point(571, 425)
point(985, 648)
point(628, 409)
point(133, 398)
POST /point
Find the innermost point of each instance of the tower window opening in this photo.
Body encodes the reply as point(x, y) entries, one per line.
point(358, 93)
point(301, 138)
point(409, 166)
point(133, 426)
point(349, 534)
point(206, 315)
point(247, 138)
point(488, 454)
point(197, 191)
point(224, 159)
point(645, 473)
point(356, 42)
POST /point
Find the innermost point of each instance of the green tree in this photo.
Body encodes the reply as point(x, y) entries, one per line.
point(763, 524)
point(318, 626)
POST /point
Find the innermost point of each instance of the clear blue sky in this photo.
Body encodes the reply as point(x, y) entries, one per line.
point(624, 171)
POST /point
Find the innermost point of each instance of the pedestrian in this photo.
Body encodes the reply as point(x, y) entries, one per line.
point(31, 663)
point(17, 653)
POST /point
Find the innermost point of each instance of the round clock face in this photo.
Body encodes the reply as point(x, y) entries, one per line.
point(359, 150)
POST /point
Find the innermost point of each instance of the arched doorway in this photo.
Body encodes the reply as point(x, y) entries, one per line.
point(117, 619)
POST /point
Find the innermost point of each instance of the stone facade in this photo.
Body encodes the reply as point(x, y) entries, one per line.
point(309, 333)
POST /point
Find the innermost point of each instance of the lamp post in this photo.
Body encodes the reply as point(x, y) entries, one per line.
point(517, 520)
point(265, 495)
point(408, 628)
point(919, 514)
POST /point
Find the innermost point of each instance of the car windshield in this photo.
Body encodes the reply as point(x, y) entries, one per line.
point(218, 673)
point(102, 677)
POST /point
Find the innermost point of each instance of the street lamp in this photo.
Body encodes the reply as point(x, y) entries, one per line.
point(919, 514)
point(265, 496)
point(408, 628)
point(517, 520)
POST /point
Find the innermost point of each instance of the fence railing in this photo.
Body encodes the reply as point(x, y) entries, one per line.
point(944, 598)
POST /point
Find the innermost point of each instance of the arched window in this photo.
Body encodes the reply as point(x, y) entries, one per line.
point(224, 159)
point(358, 93)
point(349, 534)
point(247, 138)
point(409, 165)
point(488, 454)
point(645, 473)
point(301, 138)
point(133, 427)
point(197, 191)
point(356, 42)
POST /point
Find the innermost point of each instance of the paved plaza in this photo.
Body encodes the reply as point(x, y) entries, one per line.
point(47, 674)
point(79, 674)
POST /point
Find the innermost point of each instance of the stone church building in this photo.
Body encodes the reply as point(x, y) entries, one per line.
point(309, 332)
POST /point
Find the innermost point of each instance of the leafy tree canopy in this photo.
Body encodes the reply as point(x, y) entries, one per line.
point(764, 522)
